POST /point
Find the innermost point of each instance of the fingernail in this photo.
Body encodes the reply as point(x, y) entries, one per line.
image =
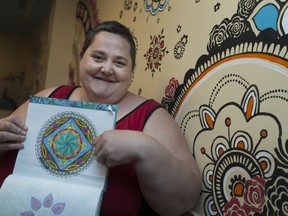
point(22, 137)
point(23, 132)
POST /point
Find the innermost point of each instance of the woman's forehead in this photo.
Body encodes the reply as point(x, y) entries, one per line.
point(110, 44)
point(104, 35)
point(109, 40)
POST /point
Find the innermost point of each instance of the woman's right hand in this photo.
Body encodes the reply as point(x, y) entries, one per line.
point(12, 133)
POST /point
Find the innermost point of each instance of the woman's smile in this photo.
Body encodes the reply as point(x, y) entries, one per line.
point(105, 79)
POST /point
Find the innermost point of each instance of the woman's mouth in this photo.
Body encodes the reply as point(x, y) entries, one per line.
point(104, 79)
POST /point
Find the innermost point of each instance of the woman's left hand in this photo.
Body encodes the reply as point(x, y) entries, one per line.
point(117, 147)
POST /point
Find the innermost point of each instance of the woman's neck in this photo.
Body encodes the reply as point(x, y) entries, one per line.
point(81, 95)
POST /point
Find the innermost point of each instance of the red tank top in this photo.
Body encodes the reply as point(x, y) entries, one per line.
point(123, 196)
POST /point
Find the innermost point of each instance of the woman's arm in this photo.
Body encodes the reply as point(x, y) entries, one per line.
point(168, 175)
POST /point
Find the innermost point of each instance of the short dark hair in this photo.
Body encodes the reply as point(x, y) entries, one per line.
point(115, 28)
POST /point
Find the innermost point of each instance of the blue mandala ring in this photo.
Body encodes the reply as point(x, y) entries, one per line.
point(64, 145)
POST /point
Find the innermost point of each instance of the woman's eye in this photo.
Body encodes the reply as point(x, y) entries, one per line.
point(120, 64)
point(98, 58)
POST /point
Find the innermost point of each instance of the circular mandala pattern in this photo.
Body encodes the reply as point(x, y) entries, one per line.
point(59, 144)
point(64, 144)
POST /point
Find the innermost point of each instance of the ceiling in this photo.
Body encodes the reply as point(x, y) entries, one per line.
point(21, 17)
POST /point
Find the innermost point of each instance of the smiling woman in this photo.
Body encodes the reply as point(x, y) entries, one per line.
point(145, 133)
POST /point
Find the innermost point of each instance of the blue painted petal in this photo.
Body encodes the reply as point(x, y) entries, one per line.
point(266, 17)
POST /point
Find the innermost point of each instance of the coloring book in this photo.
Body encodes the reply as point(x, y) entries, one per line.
point(57, 173)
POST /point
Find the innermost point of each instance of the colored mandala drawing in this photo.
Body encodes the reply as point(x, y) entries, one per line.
point(64, 144)
point(37, 206)
point(232, 108)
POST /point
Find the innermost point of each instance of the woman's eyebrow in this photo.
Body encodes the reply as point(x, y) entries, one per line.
point(97, 52)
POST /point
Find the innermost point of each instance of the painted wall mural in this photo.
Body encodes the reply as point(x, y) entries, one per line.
point(151, 7)
point(154, 7)
point(179, 48)
point(232, 108)
point(156, 52)
point(86, 18)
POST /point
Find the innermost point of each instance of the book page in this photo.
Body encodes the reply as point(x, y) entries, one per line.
point(58, 158)
point(22, 195)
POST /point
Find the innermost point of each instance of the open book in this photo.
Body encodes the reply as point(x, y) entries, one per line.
point(57, 173)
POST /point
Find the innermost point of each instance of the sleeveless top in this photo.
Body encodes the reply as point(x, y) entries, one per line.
point(123, 196)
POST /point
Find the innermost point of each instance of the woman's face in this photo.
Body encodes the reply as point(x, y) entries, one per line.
point(106, 68)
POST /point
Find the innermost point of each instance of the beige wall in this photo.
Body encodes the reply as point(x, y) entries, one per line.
point(13, 53)
point(43, 56)
point(61, 41)
point(16, 66)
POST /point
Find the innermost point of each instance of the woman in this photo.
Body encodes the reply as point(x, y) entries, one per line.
point(147, 154)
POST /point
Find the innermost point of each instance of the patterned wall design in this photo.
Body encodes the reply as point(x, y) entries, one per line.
point(86, 17)
point(220, 69)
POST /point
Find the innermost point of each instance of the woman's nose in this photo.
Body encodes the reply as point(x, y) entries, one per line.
point(107, 68)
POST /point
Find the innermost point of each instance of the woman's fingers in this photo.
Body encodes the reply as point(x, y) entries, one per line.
point(10, 146)
point(13, 124)
point(12, 133)
point(11, 137)
point(97, 149)
point(97, 145)
point(100, 154)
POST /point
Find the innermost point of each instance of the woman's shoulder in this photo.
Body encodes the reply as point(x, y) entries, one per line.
point(133, 99)
point(61, 92)
point(130, 103)
point(46, 92)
